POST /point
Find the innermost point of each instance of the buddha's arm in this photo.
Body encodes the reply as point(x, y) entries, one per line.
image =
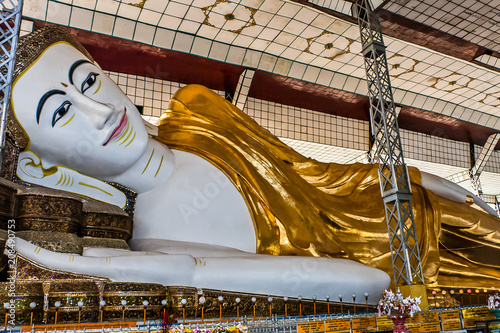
point(291, 276)
point(451, 191)
point(117, 265)
point(181, 247)
point(251, 273)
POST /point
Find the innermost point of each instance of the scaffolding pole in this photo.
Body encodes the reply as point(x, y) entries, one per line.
point(481, 161)
point(10, 22)
point(393, 174)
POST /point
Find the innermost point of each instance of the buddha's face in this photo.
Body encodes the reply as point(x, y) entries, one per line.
point(76, 116)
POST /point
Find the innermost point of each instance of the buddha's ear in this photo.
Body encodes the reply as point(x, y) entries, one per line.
point(30, 169)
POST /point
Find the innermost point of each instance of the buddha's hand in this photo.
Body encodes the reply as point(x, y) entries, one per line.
point(33, 170)
point(117, 265)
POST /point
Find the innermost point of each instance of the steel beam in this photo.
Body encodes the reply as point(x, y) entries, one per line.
point(393, 174)
point(481, 161)
point(475, 171)
point(10, 22)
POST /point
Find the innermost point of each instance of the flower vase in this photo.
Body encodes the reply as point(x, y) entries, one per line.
point(496, 313)
point(399, 323)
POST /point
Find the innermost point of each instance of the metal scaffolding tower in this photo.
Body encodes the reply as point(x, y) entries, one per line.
point(393, 174)
point(10, 22)
point(481, 161)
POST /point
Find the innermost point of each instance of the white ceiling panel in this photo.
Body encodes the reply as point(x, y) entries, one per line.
point(288, 38)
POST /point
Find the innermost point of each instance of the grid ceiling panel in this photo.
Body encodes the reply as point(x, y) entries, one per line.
point(476, 21)
point(321, 152)
point(325, 153)
point(311, 37)
point(324, 137)
point(340, 6)
point(489, 60)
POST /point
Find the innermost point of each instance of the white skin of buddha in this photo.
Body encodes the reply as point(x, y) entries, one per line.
point(191, 225)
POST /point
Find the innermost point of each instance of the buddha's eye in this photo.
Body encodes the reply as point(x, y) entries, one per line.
point(60, 112)
point(88, 82)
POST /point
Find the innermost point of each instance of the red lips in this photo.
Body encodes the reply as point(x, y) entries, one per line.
point(118, 128)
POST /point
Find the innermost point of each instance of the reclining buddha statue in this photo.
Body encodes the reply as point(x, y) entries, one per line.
point(221, 202)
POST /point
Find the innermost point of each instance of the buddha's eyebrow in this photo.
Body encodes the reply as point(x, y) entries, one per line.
point(74, 66)
point(44, 99)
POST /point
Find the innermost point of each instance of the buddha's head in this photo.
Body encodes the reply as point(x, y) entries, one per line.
point(72, 114)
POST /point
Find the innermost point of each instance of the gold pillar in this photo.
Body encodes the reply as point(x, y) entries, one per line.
point(416, 290)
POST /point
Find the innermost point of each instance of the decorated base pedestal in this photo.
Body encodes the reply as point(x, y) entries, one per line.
point(399, 323)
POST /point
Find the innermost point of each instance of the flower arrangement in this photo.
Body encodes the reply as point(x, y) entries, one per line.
point(167, 319)
point(494, 301)
point(394, 304)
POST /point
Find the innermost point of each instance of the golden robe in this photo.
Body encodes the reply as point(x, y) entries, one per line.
point(303, 207)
